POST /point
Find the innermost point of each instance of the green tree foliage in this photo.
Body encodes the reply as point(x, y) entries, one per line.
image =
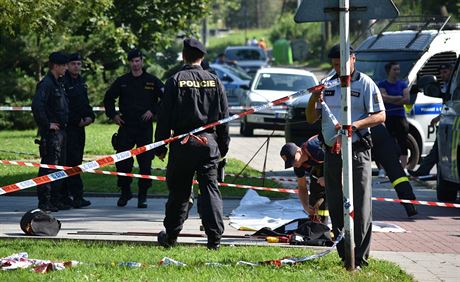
point(101, 30)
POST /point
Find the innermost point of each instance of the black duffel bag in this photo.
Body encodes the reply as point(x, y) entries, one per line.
point(38, 223)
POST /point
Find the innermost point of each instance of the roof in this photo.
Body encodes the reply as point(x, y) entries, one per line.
point(286, 71)
point(399, 40)
point(243, 47)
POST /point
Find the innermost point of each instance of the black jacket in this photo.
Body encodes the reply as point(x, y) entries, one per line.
point(77, 93)
point(136, 96)
point(193, 98)
point(50, 103)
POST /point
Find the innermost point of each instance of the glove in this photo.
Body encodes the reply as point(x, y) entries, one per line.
point(160, 151)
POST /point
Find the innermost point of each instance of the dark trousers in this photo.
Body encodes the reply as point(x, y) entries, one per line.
point(128, 137)
point(384, 151)
point(184, 161)
point(318, 192)
point(75, 147)
point(398, 127)
point(52, 151)
point(429, 161)
point(362, 193)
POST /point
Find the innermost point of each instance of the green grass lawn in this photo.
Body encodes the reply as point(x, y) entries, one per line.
point(98, 138)
point(103, 258)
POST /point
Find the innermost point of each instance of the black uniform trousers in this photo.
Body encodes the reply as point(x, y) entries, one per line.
point(52, 151)
point(75, 147)
point(384, 151)
point(362, 201)
point(128, 137)
point(184, 161)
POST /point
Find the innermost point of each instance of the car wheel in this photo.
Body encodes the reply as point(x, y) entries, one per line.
point(414, 152)
point(246, 129)
point(446, 191)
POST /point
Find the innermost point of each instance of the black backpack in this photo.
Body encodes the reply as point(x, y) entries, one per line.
point(38, 223)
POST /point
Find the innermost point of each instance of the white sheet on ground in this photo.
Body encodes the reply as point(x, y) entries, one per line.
point(256, 212)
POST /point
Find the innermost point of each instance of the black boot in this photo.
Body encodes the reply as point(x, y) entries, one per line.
point(46, 206)
point(410, 209)
point(126, 195)
point(165, 240)
point(80, 203)
point(213, 243)
point(142, 198)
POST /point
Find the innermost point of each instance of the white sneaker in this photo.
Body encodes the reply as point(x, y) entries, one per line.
point(382, 173)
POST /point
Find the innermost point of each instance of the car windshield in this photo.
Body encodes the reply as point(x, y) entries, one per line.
point(246, 55)
point(373, 63)
point(241, 74)
point(284, 82)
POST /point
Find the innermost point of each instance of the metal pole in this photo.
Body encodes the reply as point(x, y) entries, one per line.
point(347, 173)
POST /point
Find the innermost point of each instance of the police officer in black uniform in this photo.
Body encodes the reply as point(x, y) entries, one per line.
point(80, 116)
point(193, 98)
point(139, 93)
point(50, 110)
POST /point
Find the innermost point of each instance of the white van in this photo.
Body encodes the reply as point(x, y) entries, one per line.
point(419, 53)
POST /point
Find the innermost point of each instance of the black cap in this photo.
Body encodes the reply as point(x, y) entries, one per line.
point(288, 152)
point(134, 53)
point(334, 52)
point(75, 57)
point(58, 58)
point(194, 44)
point(445, 67)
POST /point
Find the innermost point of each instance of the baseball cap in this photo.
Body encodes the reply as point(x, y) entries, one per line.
point(334, 52)
point(134, 53)
point(288, 152)
point(445, 66)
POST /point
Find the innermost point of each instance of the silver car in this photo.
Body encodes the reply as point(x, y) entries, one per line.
point(270, 84)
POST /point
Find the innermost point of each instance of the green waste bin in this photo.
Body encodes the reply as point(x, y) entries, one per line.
point(282, 52)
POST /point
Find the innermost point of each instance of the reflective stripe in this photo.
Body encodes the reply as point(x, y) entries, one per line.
point(400, 180)
point(323, 212)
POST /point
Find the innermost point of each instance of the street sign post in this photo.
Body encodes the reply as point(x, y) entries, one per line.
point(343, 10)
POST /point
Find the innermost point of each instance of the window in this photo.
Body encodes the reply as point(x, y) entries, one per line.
point(432, 65)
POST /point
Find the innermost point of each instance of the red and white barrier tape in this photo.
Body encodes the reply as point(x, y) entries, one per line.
point(416, 202)
point(134, 152)
point(102, 109)
point(153, 177)
point(281, 190)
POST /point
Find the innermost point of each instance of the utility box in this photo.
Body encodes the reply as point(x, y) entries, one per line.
point(282, 52)
point(299, 50)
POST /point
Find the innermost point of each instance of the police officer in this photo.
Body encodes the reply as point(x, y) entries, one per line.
point(308, 159)
point(80, 116)
point(139, 93)
point(193, 98)
point(50, 111)
point(428, 162)
point(367, 111)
